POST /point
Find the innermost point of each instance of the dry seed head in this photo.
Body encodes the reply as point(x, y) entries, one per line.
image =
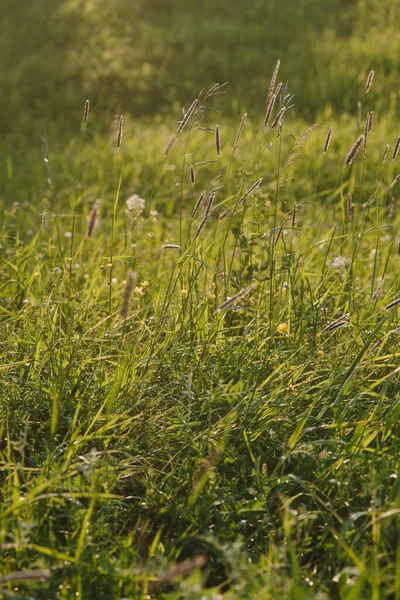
point(196, 206)
point(120, 131)
point(395, 180)
point(93, 219)
point(210, 200)
point(369, 81)
point(304, 136)
point(236, 297)
point(217, 140)
point(384, 155)
point(182, 124)
point(349, 204)
point(393, 304)
point(239, 133)
point(396, 149)
point(253, 187)
point(170, 247)
point(366, 131)
point(86, 112)
point(358, 115)
point(377, 292)
point(371, 120)
point(44, 221)
point(353, 151)
point(187, 116)
point(192, 175)
point(273, 81)
point(130, 282)
point(271, 105)
point(337, 323)
point(328, 140)
point(279, 233)
point(278, 117)
point(294, 212)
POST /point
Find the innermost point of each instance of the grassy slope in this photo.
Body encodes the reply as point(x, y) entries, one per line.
point(146, 55)
point(247, 436)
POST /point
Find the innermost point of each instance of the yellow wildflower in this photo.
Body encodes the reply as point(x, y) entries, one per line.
point(282, 328)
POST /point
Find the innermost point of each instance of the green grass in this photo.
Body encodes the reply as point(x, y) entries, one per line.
point(252, 436)
point(145, 56)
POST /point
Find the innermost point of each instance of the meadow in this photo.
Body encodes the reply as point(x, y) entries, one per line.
point(199, 314)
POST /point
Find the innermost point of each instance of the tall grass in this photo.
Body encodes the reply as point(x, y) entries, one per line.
point(200, 393)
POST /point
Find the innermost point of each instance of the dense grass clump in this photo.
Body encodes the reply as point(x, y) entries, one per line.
point(199, 360)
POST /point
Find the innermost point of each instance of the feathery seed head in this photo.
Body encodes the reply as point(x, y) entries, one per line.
point(328, 140)
point(353, 151)
point(369, 81)
point(86, 112)
point(217, 140)
point(384, 155)
point(396, 149)
point(120, 131)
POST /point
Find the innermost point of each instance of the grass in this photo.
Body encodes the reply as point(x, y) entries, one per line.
point(165, 441)
point(145, 56)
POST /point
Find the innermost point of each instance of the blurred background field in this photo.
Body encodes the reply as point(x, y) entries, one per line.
point(151, 57)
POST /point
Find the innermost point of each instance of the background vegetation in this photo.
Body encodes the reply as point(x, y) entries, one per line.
point(146, 57)
point(198, 399)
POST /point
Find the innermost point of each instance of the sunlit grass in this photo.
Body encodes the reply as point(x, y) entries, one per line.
point(239, 403)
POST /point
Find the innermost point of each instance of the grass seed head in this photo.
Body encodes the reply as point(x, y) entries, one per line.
point(294, 215)
point(253, 187)
point(120, 131)
point(278, 117)
point(86, 112)
point(371, 120)
point(93, 219)
point(370, 79)
point(236, 297)
point(271, 105)
point(239, 133)
point(130, 282)
point(366, 132)
point(353, 151)
point(273, 81)
point(349, 206)
point(358, 114)
point(217, 140)
point(395, 180)
point(396, 149)
point(328, 140)
point(385, 152)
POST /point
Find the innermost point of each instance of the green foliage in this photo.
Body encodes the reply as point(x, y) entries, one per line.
point(141, 57)
point(199, 395)
point(193, 446)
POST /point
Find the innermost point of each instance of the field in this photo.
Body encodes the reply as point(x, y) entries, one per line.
point(199, 307)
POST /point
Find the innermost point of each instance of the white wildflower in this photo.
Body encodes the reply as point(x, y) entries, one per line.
point(340, 263)
point(135, 206)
